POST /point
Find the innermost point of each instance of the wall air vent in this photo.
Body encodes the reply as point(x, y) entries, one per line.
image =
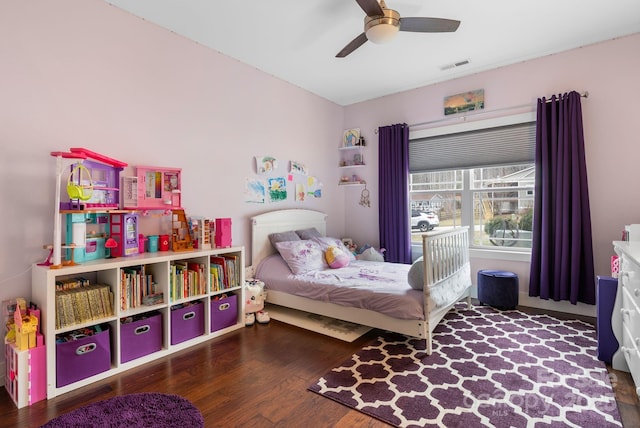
point(454, 65)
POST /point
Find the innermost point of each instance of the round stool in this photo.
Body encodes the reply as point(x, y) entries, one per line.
point(498, 288)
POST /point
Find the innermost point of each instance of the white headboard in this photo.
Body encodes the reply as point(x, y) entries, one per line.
point(281, 221)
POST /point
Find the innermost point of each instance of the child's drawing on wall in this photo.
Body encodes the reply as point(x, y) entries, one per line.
point(277, 189)
point(314, 187)
point(265, 164)
point(255, 191)
point(300, 192)
point(298, 168)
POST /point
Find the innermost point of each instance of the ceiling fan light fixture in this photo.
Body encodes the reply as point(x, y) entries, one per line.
point(382, 29)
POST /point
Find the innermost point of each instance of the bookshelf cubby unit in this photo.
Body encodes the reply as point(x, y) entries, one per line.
point(180, 289)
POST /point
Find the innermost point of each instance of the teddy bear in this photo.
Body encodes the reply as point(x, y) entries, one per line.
point(255, 296)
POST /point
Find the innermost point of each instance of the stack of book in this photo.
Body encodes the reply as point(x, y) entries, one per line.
point(82, 303)
point(187, 279)
point(225, 272)
point(135, 287)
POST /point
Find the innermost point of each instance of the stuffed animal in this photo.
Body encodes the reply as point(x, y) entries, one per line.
point(336, 257)
point(372, 255)
point(254, 303)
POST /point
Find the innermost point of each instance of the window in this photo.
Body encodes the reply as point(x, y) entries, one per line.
point(496, 202)
point(482, 178)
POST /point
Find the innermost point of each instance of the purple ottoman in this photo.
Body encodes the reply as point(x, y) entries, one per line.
point(498, 288)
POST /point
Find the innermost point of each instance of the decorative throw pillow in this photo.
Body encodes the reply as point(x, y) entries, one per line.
point(309, 233)
point(283, 237)
point(336, 258)
point(326, 242)
point(415, 277)
point(301, 256)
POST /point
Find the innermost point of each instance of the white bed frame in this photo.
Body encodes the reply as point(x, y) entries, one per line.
point(446, 258)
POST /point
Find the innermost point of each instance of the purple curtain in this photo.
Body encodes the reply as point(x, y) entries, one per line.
point(393, 180)
point(562, 251)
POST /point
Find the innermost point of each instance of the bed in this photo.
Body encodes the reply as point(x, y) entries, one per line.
point(389, 302)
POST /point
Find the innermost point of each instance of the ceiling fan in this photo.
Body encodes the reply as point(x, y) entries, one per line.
point(382, 24)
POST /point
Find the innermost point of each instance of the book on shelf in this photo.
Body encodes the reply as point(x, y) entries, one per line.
point(220, 263)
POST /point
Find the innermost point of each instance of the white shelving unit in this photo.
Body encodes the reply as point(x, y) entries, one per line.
point(351, 158)
point(109, 272)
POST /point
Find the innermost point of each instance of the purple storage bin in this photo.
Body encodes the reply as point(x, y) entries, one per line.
point(140, 338)
point(187, 323)
point(224, 312)
point(79, 359)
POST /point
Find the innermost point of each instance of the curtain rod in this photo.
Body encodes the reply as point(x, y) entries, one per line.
point(585, 94)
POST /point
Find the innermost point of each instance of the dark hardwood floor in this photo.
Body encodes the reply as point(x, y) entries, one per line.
point(253, 377)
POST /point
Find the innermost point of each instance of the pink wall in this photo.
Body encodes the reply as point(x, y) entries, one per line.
point(608, 71)
point(82, 73)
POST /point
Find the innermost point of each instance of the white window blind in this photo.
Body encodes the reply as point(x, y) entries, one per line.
point(503, 145)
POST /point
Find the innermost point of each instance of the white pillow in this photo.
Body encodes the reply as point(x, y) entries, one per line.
point(302, 256)
point(415, 277)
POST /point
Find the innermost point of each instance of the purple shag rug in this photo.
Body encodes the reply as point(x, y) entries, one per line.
point(488, 369)
point(149, 409)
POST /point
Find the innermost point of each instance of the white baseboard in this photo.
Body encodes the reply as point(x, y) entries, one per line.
point(549, 305)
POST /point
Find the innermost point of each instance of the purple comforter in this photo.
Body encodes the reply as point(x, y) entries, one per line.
point(377, 286)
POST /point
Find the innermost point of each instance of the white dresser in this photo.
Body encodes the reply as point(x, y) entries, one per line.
point(625, 319)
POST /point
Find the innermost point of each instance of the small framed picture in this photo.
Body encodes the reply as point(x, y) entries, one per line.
point(351, 137)
point(347, 242)
point(357, 159)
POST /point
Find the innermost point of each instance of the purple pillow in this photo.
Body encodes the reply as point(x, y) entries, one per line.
point(283, 237)
point(309, 233)
point(302, 256)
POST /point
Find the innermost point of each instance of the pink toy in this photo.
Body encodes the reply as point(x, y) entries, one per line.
point(153, 188)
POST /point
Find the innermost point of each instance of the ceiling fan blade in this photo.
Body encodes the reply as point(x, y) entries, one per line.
point(371, 7)
point(429, 25)
point(352, 46)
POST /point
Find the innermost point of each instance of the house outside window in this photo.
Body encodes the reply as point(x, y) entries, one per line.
point(495, 202)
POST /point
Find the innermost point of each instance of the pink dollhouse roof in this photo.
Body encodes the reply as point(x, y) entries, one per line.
point(101, 158)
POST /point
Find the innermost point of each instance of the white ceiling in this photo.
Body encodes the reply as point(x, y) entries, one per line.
point(297, 40)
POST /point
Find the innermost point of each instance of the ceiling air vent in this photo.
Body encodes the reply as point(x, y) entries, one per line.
point(454, 65)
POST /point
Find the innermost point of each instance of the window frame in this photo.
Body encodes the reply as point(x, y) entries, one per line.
point(501, 253)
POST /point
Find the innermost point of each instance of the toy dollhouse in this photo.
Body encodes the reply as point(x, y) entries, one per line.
point(98, 188)
point(153, 188)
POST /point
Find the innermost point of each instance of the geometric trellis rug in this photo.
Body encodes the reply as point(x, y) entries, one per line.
point(488, 368)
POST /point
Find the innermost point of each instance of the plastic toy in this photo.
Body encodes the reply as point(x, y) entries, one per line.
point(153, 188)
point(77, 186)
point(95, 184)
point(255, 296)
point(26, 329)
point(57, 221)
point(101, 184)
point(124, 230)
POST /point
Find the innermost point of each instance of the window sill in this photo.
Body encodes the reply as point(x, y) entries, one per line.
point(513, 256)
point(484, 253)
